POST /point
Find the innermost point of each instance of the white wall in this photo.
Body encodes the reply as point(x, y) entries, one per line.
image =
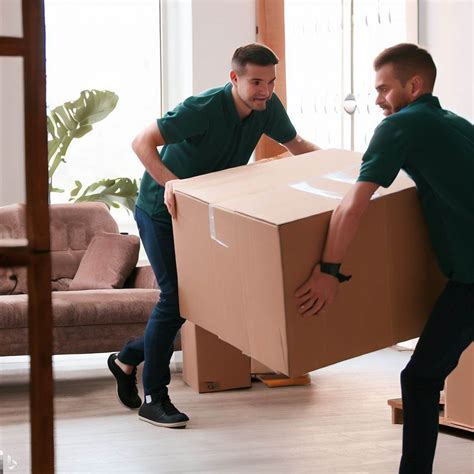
point(219, 28)
point(199, 38)
point(12, 138)
point(10, 18)
point(12, 162)
point(446, 30)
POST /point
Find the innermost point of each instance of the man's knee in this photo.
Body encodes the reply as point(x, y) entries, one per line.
point(169, 302)
point(407, 378)
point(412, 378)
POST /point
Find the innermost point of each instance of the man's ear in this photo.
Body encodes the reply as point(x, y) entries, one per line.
point(233, 77)
point(416, 86)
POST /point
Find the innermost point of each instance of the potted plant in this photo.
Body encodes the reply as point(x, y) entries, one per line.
point(74, 120)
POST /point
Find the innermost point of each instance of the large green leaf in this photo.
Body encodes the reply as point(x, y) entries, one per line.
point(74, 120)
point(114, 192)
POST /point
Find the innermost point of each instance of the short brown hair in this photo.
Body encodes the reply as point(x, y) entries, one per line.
point(253, 53)
point(408, 60)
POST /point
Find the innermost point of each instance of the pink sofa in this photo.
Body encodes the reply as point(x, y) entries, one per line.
point(85, 321)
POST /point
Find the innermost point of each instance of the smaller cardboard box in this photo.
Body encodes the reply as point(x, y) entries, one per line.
point(212, 365)
point(459, 408)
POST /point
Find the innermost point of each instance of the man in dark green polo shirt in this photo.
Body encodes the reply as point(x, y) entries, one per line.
point(215, 130)
point(436, 148)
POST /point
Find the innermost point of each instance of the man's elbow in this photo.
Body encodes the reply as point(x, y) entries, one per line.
point(139, 143)
point(135, 144)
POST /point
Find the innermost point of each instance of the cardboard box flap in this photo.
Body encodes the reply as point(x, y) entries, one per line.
point(256, 178)
point(285, 190)
point(289, 202)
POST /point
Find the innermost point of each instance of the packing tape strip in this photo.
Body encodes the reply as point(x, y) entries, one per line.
point(307, 188)
point(212, 227)
point(347, 176)
point(341, 176)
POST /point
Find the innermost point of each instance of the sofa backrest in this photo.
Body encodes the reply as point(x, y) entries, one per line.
point(72, 227)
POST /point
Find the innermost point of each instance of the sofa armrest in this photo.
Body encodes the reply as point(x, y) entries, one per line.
point(142, 277)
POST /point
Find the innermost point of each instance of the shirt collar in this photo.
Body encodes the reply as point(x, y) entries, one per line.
point(427, 98)
point(233, 109)
point(230, 103)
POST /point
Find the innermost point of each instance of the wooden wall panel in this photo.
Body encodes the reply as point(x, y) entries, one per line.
point(271, 32)
point(35, 251)
point(37, 227)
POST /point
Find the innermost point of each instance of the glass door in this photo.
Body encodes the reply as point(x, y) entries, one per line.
point(330, 47)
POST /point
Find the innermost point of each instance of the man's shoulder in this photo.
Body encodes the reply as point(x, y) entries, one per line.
point(399, 121)
point(392, 130)
point(208, 98)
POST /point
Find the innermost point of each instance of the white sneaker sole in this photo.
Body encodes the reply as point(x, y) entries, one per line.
point(179, 424)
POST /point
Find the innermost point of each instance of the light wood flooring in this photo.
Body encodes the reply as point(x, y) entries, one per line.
point(339, 424)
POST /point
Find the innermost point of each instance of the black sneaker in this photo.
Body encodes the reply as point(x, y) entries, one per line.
point(161, 412)
point(127, 391)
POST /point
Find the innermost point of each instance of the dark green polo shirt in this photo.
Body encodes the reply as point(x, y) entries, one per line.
point(436, 149)
point(205, 134)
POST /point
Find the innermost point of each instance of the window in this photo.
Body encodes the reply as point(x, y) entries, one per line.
point(112, 45)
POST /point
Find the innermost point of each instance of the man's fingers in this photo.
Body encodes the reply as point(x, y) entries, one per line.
point(305, 305)
point(302, 290)
point(172, 207)
point(170, 204)
point(316, 308)
point(309, 309)
point(319, 307)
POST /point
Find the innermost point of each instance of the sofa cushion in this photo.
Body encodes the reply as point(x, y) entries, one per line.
point(72, 227)
point(7, 281)
point(61, 284)
point(84, 308)
point(12, 226)
point(108, 261)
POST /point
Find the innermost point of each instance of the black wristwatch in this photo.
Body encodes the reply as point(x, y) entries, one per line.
point(333, 269)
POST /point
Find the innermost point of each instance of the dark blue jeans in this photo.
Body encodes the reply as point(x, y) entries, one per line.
point(448, 332)
point(156, 346)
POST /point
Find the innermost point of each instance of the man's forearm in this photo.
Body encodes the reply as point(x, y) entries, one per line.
point(151, 160)
point(345, 221)
point(342, 230)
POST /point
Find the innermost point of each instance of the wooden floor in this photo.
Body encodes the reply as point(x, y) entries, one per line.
point(339, 424)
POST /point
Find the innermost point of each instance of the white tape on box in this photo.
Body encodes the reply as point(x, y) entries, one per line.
point(212, 227)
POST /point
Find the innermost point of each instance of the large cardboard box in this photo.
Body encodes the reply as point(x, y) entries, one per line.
point(247, 237)
point(212, 365)
point(258, 368)
point(459, 391)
